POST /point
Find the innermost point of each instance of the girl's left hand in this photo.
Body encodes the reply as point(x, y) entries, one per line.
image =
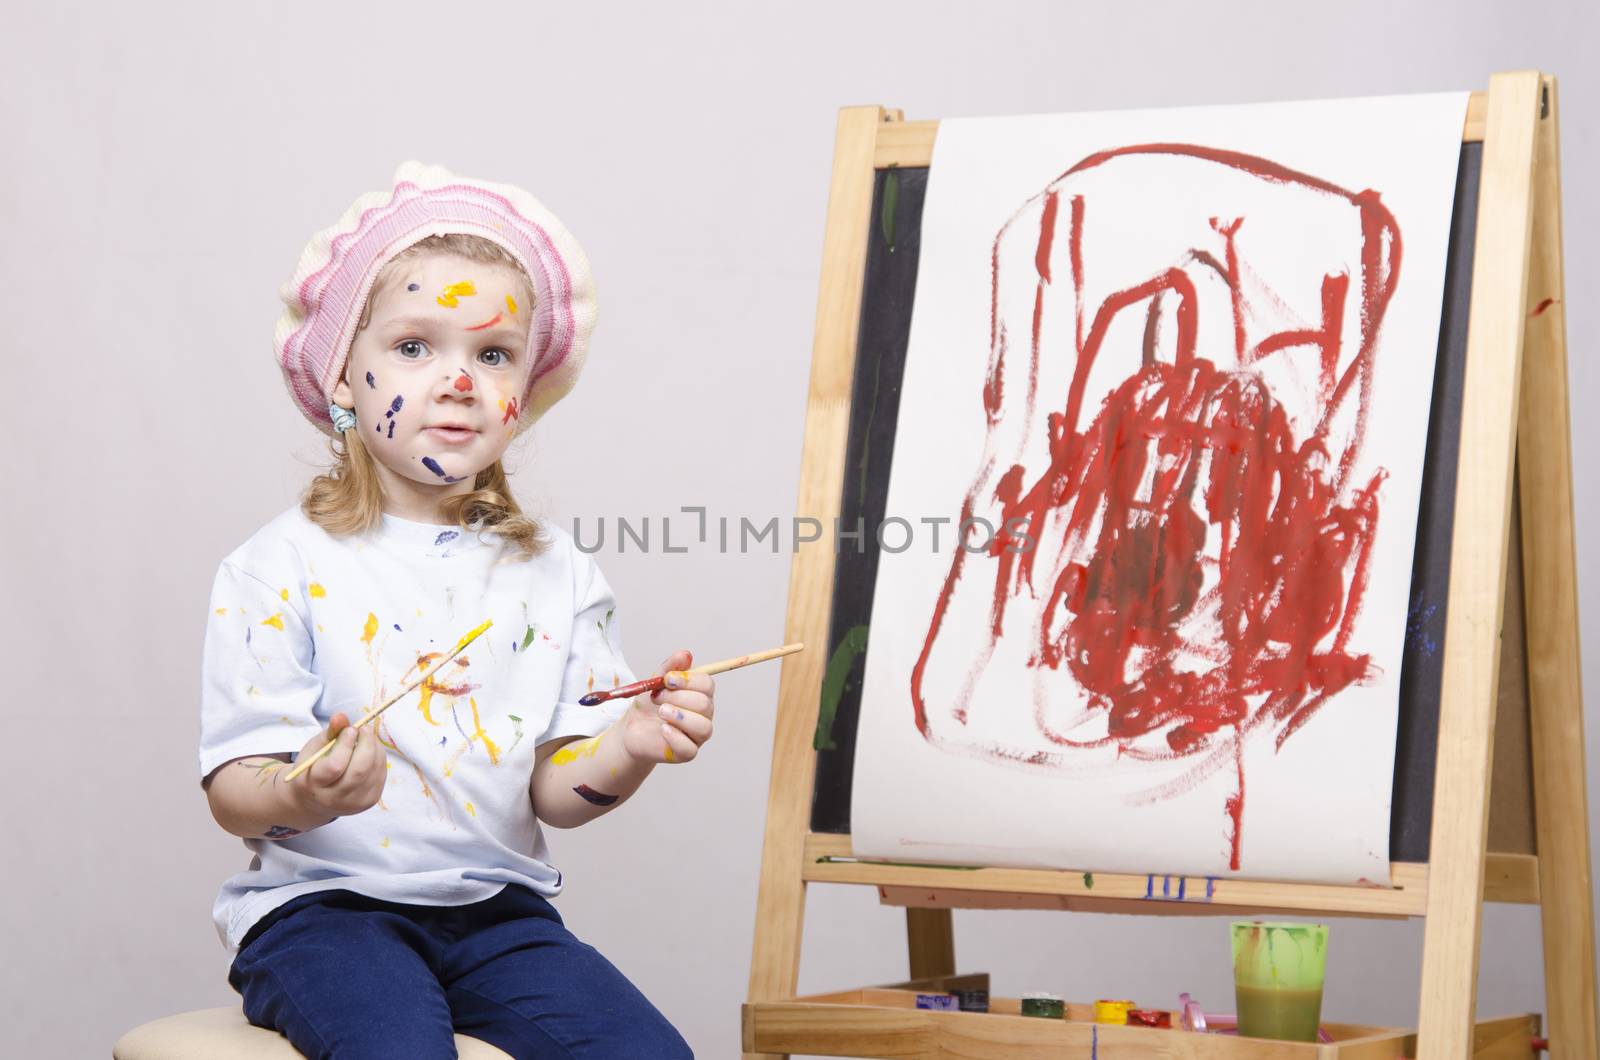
point(671, 725)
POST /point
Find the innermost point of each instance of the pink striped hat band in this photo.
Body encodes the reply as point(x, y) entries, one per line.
point(325, 297)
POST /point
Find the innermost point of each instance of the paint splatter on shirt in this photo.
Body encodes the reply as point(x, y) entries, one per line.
point(383, 603)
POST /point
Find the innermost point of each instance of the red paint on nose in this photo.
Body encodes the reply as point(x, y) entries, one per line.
point(463, 382)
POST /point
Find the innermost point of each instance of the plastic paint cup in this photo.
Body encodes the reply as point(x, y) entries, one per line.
point(1277, 977)
point(972, 1000)
point(1113, 1012)
point(1048, 1006)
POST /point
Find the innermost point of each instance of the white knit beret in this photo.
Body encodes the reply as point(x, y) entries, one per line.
point(324, 299)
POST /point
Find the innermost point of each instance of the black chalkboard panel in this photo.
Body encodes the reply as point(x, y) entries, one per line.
point(888, 293)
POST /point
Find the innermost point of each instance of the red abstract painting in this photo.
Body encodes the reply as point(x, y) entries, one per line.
point(1185, 520)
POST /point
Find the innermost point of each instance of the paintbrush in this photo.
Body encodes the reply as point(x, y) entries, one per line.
point(651, 684)
point(301, 767)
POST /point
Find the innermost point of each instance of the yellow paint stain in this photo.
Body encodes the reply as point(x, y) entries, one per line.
point(252, 691)
point(385, 843)
point(285, 594)
point(575, 751)
point(419, 612)
point(668, 748)
point(316, 590)
point(425, 694)
point(470, 637)
point(478, 733)
point(320, 629)
point(460, 289)
point(471, 808)
point(222, 610)
point(276, 621)
point(511, 307)
point(591, 679)
point(370, 630)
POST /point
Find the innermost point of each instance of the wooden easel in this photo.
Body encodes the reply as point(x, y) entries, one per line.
point(1515, 417)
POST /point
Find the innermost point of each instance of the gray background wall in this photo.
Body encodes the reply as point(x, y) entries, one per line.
point(163, 164)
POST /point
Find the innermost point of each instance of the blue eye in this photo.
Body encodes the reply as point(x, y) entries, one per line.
point(494, 358)
point(411, 349)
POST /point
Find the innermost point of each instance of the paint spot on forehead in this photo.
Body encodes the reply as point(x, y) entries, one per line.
point(413, 286)
point(457, 290)
point(511, 305)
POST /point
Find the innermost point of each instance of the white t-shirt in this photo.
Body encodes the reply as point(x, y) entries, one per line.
point(304, 624)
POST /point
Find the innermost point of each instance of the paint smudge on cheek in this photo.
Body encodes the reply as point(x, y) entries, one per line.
point(394, 406)
point(371, 382)
point(509, 408)
point(391, 430)
point(433, 465)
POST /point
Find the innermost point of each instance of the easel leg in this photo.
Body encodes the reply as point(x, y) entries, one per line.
point(930, 936)
point(780, 902)
point(1554, 684)
point(1477, 572)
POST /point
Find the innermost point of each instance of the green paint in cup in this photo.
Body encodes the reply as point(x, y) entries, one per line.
point(1277, 978)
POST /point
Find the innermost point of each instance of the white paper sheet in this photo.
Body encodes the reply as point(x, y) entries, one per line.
point(1194, 668)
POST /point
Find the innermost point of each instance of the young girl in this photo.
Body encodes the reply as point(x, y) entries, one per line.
point(399, 889)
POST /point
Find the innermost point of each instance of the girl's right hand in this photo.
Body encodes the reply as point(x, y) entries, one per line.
point(349, 778)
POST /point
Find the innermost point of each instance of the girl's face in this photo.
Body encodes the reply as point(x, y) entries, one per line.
point(436, 375)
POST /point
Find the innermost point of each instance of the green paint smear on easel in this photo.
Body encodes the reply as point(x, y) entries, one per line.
point(891, 200)
point(866, 435)
point(1088, 880)
point(851, 645)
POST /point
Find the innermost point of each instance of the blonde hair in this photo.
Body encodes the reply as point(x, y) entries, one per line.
point(347, 498)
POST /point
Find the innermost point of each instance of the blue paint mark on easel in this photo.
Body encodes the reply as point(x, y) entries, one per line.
point(1183, 882)
point(1149, 886)
point(1166, 886)
point(1094, 1041)
point(1211, 887)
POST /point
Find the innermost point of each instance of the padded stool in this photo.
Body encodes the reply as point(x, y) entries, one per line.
point(224, 1032)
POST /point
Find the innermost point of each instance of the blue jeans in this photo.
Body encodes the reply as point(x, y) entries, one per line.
point(343, 976)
